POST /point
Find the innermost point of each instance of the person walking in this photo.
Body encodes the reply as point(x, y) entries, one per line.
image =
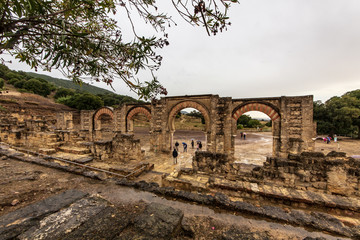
point(175, 155)
point(244, 136)
point(177, 146)
point(185, 147)
point(192, 143)
point(200, 146)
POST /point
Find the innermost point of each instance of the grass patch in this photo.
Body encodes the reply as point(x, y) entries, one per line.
point(3, 108)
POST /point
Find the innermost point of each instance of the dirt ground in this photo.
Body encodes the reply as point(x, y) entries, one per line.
point(24, 183)
point(253, 150)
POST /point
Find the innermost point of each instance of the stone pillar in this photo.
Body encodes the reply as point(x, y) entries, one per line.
point(297, 127)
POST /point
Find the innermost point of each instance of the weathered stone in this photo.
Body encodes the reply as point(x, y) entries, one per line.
point(156, 222)
point(59, 224)
point(17, 222)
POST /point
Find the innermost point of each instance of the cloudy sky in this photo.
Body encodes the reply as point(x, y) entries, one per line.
point(273, 48)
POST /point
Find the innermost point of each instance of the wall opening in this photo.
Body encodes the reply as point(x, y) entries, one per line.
point(138, 123)
point(254, 138)
point(188, 125)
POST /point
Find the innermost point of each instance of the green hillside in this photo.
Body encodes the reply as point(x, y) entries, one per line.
point(69, 84)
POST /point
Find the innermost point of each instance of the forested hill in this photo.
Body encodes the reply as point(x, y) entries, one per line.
point(65, 92)
point(69, 84)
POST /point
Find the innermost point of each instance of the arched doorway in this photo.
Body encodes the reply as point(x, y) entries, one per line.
point(138, 123)
point(104, 124)
point(181, 132)
point(245, 141)
point(253, 140)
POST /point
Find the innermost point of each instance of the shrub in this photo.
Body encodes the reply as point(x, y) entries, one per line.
point(82, 101)
point(63, 92)
point(19, 83)
point(37, 87)
point(13, 81)
point(1, 83)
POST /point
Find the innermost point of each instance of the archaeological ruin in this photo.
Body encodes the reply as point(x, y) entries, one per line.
point(293, 127)
point(106, 136)
point(101, 144)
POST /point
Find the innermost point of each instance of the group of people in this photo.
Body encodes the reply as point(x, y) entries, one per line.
point(175, 152)
point(243, 135)
point(328, 139)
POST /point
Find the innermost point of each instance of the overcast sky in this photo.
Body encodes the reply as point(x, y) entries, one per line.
point(273, 48)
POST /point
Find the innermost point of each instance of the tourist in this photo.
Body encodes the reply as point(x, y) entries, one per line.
point(177, 146)
point(328, 139)
point(175, 155)
point(244, 136)
point(335, 138)
point(185, 147)
point(192, 143)
point(200, 146)
point(241, 135)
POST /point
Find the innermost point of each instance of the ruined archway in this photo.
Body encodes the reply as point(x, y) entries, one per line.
point(138, 122)
point(132, 113)
point(268, 109)
point(188, 104)
point(104, 123)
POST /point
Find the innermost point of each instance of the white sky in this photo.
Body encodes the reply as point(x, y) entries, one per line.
point(273, 48)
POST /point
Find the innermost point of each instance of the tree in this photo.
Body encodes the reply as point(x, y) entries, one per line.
point(339, 115)
point(83, 40)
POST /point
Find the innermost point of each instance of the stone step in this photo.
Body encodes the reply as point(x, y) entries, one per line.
point(47, 151)
point(54, 144)
point(74, 150)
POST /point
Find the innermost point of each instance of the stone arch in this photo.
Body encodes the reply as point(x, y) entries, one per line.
point(104, 110)
point(188, 104)
point(134, 111)
point(269, 110)
point(103, 124)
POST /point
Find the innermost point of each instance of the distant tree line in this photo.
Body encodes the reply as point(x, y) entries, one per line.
point(246, 121)
point(339, 115)
point(73, 98)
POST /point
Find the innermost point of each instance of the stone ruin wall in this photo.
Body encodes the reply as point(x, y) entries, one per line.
point(293, 126)
point(334, 173)
point(47, 134)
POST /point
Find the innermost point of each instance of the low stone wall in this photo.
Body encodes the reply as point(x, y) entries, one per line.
point(215, 163)
point(122, 148)
point(334, 173)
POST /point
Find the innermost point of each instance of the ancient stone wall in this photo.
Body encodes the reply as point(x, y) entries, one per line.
point(334, 173)
point(122, 148)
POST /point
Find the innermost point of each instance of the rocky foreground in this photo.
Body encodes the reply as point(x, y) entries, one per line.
point(38, 202)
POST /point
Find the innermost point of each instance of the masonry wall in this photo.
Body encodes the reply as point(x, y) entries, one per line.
point(122, 148)
point(334, 173)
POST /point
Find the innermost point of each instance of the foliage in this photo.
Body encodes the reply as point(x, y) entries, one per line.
point(82, 101)
point(19, 83)
point(63, 92)
point(62, 83)
point(245, 121)
point(82, 38)
point(116, 100)
point(339, 115)
point(1, 83)
point(268, 124)
point(197, 114)
point(37, 87)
